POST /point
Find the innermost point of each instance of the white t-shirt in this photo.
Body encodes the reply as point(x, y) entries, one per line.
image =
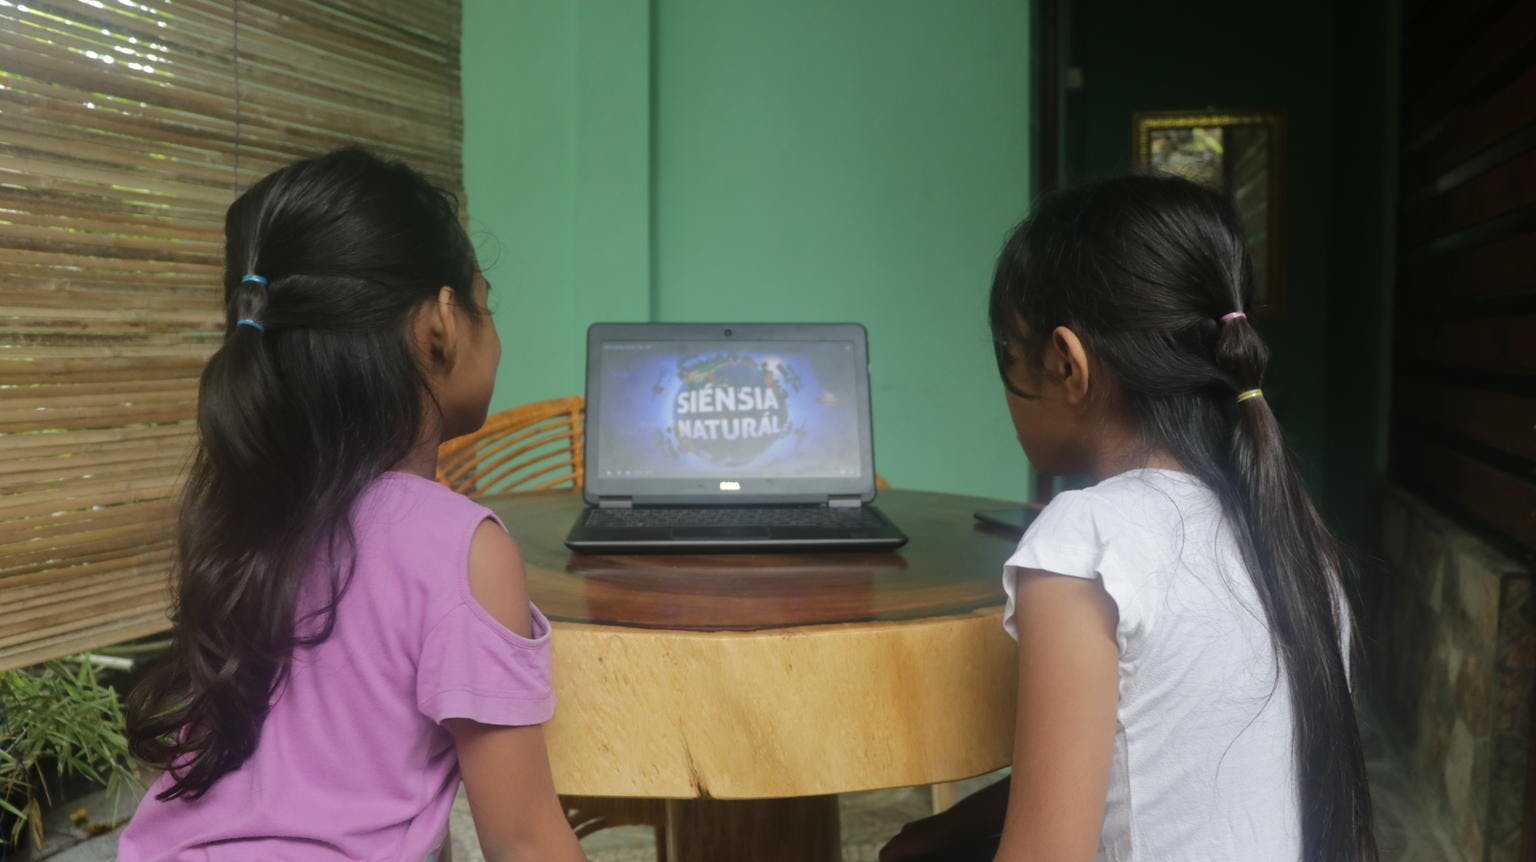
point(1203, 765)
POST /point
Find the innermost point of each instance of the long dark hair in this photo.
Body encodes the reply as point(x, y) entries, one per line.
point(314, 393)
point(1143, 268)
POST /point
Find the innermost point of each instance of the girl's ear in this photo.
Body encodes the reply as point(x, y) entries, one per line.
point(437, 330)
point(1070, 362)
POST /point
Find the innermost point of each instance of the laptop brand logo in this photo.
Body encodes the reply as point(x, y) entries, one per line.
point(730, 486)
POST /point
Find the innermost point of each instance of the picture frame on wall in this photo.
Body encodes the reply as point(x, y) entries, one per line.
point(1238, 152)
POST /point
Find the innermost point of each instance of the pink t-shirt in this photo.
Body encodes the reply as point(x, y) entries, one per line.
point(354, 762)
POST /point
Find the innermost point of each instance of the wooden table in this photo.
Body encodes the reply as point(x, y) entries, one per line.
point(749, 689)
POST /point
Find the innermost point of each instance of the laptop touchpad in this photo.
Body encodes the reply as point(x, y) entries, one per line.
point(720, 532)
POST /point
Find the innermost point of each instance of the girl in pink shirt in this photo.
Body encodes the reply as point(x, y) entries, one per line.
point(352, 638)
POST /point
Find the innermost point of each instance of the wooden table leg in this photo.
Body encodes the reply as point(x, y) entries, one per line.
point(804, 829)
point(945, 796)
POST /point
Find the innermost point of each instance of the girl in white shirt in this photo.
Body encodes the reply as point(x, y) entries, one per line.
point(1183, 687)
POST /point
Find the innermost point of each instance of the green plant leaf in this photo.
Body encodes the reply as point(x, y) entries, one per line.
point(35, 820)
point(59, 714)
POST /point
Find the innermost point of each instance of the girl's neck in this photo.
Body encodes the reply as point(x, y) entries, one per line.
point(422, 459)
point(1116, 447)
point(1110, 464)
point(420, 462)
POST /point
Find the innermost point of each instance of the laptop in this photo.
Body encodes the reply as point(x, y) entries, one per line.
point(729, 436)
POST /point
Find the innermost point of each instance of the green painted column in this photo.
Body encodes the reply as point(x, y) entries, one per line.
point(557, 171)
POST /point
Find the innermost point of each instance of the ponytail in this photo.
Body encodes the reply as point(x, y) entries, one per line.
point(1297, 566)
point(1152, 273)
point(314, 393)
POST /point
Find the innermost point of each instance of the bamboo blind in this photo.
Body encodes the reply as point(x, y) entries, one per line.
point(126, 128)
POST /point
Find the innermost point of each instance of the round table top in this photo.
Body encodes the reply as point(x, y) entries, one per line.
point(771, 675)
point(951, 564)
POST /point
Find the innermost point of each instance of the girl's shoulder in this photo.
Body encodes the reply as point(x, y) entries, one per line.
point(412, 541)
point(417, 527)
point(413, 504)
point(1138, 505)
point(1132, 532)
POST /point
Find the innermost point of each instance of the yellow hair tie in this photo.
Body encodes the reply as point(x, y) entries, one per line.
point(1252, 393)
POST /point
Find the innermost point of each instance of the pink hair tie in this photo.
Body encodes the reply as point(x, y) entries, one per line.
point(1235, 315)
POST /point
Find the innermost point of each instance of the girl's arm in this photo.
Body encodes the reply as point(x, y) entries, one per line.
point(506, 769)
point(1068, 693)
point(512, 795)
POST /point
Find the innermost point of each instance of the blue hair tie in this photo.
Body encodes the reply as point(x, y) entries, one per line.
point(246, 321)
point(251, 276)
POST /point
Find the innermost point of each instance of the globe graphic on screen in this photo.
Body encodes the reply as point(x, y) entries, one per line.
point(729, 408)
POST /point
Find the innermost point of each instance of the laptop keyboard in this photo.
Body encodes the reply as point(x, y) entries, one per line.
point(710, 516)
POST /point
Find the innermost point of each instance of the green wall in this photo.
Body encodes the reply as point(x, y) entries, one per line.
point(693, 160)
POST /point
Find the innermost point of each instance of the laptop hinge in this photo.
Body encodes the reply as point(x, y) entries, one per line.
point(845, 502)
point(615, 503)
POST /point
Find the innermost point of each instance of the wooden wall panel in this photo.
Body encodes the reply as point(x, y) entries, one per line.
point(1502, 422)
point(1481, 61)
point(1500, 190)
point(1450, 280)
point(1501, 344)
point(1494, 497)
point(1464, 419)
point(1448, 146)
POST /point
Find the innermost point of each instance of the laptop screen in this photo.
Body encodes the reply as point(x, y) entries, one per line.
point(746, 413)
